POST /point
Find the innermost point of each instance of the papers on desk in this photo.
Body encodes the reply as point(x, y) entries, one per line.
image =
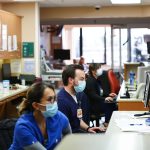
point(133, 125)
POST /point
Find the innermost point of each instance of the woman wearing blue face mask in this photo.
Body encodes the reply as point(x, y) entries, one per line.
point(41, 125)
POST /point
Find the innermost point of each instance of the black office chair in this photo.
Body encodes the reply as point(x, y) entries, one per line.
point(6, 132)
point(96, 117)
point(29, 79)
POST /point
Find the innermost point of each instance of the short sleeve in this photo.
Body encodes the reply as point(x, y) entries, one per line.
point(24, 135)
point(65, 121)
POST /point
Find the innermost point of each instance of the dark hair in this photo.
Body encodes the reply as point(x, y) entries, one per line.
point(93, 67)
point(69, 71)
point(34, 94)
point(81, 60)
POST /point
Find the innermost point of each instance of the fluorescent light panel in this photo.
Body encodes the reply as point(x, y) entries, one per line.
point(126, 1)
point(27, 0)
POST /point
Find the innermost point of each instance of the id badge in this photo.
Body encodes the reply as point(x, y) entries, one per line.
point(79, 113)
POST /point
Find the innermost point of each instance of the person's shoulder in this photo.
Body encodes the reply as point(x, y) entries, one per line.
point(61, 92)
point(62, 115)
point(63, 97)
point(24, 120)
point(90, 80)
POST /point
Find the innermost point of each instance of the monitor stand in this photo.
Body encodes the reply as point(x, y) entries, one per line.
point(148, 59)
point(143, 114)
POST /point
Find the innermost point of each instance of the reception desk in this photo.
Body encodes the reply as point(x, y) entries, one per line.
point(129, 104)
point(9, 100)
point(13, 94)
point(113, 139)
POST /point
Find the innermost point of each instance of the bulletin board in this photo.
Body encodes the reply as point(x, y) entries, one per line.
point(28, 49)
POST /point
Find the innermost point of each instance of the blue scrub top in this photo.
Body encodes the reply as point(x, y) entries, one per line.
point(27, 131)
point(68, 106)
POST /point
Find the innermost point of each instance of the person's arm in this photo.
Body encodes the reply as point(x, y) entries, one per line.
point(26, 139)
point(86, 128)
point(62, 106)
point(91, 91)
point(35, 146)
point(67, 130)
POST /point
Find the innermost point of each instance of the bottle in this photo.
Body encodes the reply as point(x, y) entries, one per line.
point(131, 77)
point(1, 88)
point(23, 82)
point(6, 85)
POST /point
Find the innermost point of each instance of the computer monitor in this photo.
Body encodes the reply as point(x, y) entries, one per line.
point(141, 74)
point(147, 90)
point(146, 98)
point(62, 54)
point(6, 71)
point(148, 47)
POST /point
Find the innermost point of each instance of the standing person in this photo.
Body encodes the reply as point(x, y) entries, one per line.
point(72, 101)
point(82, 63)
point(41, 126)
point(98, 103)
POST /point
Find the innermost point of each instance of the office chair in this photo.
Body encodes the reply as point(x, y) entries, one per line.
point(29, 78)
point(6, 132)
point(114, 82)
point(96, 117)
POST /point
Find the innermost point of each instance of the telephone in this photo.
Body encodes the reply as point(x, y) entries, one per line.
point(140, 91)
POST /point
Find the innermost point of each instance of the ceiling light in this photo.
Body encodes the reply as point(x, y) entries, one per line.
point(126, 1)
point(28, 0)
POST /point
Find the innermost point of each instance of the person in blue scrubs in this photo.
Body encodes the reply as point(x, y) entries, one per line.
point(41, 126)
point(72, 101)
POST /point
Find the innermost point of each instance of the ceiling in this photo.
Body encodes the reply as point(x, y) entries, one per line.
point(73, 3)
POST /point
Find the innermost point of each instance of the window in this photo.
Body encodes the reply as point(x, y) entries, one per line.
point(139, 44)
point(93, 44)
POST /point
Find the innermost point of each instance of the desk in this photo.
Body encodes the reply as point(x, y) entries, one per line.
point(112, 128)
point(13, 94)
point(113, 139)
point(129, 104)
point(9, 110)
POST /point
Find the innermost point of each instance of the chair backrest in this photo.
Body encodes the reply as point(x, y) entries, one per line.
point(114, 82)
point(6, 132)
point(29, 79)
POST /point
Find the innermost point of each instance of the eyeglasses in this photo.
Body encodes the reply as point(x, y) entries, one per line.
point(51, 99)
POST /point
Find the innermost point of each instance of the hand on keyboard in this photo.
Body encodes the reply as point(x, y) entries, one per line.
point(108, 99)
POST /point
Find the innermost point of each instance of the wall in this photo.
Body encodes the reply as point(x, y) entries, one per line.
point(91, 12)
point(30, 26)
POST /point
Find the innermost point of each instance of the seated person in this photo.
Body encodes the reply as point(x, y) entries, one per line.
point(72, 101)
point(41, 126)
point(98, 103)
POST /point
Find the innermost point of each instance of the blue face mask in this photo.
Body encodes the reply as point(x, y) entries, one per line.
point(80, 87)
point(51, 110)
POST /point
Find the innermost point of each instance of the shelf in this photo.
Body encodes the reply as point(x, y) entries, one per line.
point(10, 54)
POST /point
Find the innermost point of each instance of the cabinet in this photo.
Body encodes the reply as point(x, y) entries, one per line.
point(130, 67)
point(13, 23)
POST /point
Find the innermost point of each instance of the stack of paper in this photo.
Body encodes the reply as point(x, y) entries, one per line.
point(133, 125)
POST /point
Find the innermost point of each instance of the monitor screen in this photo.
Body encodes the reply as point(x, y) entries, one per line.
point(6, 71)
point(147, 90)
point(62, 54)
point(148, 47)
point(141, 74)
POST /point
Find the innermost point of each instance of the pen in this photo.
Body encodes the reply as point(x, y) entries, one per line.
point(136, 124)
